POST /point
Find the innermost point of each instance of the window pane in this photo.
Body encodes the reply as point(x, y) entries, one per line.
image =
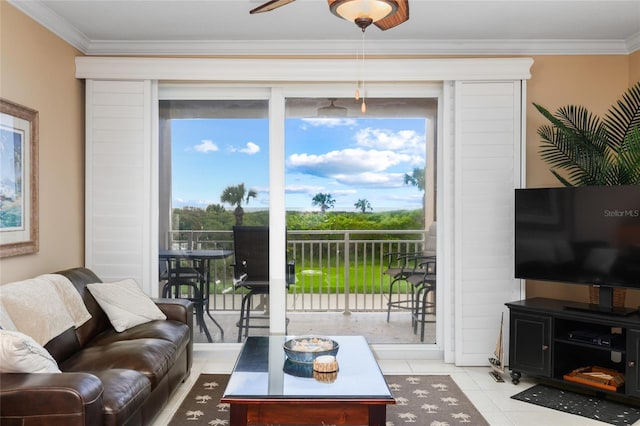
point(218, 176)
point(332, 148)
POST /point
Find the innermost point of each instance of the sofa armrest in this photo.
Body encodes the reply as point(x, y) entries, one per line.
point(180, 310)
point(66, 398)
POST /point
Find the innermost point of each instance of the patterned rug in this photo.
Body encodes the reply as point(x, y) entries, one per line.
point(581, 405)
point(421, 400)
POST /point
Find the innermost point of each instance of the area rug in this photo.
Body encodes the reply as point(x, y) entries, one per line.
point(579, 404)
point(421, 400)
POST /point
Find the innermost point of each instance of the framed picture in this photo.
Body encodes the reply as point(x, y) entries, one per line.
point(18, 179)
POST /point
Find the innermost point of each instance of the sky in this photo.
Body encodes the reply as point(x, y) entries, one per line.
point(349, 158)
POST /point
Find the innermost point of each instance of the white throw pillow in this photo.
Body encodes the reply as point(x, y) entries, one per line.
point(125, 304)
point(19, 353)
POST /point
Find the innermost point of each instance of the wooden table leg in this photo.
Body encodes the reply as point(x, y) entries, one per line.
point(377, 415)
point(238, 414)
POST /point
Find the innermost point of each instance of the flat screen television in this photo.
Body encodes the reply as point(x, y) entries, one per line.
point(583, 235)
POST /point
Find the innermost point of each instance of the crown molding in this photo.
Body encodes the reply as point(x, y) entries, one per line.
point(53, 22)
point(347, 47)
point(633, 43)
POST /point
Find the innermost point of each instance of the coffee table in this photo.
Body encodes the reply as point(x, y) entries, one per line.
point(266, 388)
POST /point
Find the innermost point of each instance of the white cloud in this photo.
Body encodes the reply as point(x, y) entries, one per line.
point(249, 149)
point(205, 146)
point(346, 161)
point(403, 141)
point(303, 189)
point(329, 122)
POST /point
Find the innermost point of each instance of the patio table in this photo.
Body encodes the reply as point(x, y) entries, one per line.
point(200, 260)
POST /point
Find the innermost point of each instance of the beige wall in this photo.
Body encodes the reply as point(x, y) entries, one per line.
point(595, 82)
point(634, 67)
point(37, 70)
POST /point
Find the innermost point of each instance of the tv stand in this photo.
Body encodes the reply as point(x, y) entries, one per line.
point(549, 341)
point(598, 309)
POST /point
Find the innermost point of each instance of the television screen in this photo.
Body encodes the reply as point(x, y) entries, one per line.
point(587, 235)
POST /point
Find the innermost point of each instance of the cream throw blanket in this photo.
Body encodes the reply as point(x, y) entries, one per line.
point(43, 307)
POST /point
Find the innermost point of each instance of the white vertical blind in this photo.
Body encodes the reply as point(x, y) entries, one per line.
point(119, 193)
point(487, 169)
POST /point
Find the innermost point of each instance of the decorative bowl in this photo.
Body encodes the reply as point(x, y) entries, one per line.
point(305, 349)
point(298, 369)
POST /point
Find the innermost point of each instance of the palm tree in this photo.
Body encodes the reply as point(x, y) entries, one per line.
point(324, 201)
point(235, 195)
point(594, 151)
point(363, 205)
point(416, 178)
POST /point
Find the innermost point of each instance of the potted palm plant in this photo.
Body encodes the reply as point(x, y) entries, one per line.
point(595, 151)
point(591, 150)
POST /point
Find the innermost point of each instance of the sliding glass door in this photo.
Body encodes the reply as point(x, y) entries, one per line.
point(345, 187)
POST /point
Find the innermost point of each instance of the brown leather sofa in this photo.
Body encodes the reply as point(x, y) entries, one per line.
point(108, 378)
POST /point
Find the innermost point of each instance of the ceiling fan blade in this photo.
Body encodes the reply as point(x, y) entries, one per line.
point(401, 15)
point(270, 5)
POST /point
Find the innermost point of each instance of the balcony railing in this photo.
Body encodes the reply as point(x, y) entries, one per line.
point(335, 270)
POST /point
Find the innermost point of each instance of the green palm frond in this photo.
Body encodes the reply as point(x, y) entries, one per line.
point(624, 116)
point(629, 158)
point(592, 151)
point(576, 142)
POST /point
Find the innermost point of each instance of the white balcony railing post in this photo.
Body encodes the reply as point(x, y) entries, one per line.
point(347, 284)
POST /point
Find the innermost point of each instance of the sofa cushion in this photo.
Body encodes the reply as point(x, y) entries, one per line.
point(125, 392)
point(151, 357)
point(125, 304)
point(19, 353)
point(172, 331)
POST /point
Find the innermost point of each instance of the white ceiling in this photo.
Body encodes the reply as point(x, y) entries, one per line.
point(225, 27)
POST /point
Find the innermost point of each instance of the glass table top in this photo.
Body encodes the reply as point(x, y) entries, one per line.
point(263, 371)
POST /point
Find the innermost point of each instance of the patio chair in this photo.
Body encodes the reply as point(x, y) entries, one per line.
point(402, 265)
point(424, 282)
point(399, 268)
point(186, 279)
point(251, 272)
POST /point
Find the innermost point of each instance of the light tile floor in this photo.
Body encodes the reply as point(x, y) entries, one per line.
point(491, 398)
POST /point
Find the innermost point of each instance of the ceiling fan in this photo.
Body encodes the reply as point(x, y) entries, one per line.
point(384, 14)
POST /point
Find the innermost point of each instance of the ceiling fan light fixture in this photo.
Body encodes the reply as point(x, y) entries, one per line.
point(332, 110)
point(363, 12)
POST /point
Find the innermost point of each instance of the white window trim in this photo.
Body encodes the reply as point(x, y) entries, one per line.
point(297, 70)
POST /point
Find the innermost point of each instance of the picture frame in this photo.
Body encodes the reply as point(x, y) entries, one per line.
point(19, 232)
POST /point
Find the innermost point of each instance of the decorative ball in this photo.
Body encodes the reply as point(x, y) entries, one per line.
point(325, 364)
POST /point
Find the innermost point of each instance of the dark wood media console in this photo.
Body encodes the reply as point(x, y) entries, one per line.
point(551, 338)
